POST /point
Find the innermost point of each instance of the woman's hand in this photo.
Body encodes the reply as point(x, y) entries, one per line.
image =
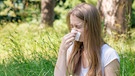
point(60, 68)
point(67, 41)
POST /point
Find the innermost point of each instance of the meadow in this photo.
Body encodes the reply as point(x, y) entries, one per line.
point(27, 50)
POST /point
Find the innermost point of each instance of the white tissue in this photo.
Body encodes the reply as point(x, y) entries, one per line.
point(77, 37)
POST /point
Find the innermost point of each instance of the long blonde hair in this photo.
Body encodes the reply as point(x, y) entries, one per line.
point(92, 38)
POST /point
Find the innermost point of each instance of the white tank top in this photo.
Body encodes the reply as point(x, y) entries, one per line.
point(108, 54)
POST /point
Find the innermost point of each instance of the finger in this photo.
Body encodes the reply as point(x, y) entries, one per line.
point(69, 36)
point(70, 44)
point(69, 40)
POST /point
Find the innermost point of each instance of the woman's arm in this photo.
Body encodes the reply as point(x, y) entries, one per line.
point(60, 68)
point(113, 69)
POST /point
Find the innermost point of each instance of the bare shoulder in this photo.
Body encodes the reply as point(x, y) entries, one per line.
point(113, 68)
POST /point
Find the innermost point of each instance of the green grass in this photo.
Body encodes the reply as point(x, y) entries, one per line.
point(27, 50)
point(126, 50)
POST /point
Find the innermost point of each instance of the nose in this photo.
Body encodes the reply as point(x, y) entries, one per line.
point(74, 28)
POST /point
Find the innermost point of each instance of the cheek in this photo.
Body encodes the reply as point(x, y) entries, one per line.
point(82, 35)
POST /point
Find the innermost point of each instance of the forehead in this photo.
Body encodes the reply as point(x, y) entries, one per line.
point(75, 20)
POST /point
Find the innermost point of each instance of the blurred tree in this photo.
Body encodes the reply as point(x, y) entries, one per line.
point(9, 11)
point(25, 4)
point(116, 15)
point(133, 14)
point(47, 12)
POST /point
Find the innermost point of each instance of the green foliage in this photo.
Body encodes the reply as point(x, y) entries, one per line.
point(94, 2)
point(17, 11)
point(27, 50)
point(133, 14)
point(125, 47)
point(11, 10)
point(63, 7)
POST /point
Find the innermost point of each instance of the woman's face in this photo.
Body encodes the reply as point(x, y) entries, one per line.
point(78, 25)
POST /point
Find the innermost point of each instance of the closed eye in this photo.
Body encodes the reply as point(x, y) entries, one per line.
point(78, 26)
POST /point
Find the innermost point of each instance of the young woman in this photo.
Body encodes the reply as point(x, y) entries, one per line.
point(90, 55)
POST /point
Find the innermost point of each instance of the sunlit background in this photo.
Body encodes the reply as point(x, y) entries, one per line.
point(29, 48)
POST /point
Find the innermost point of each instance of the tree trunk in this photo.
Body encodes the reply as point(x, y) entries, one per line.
point(116, 15)
point(47, 12)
